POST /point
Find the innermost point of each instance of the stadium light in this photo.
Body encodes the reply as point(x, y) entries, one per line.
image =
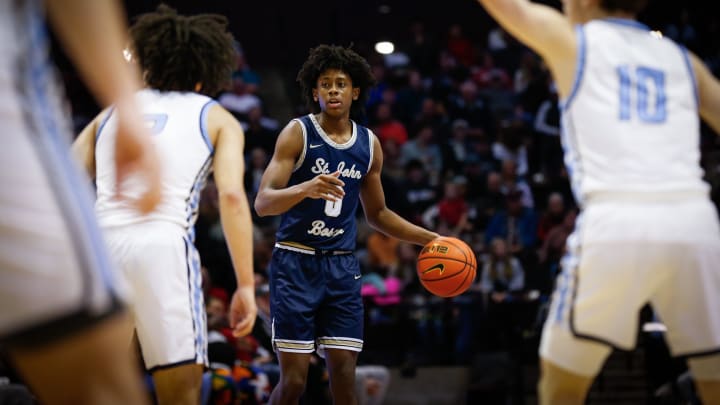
point(384, 47)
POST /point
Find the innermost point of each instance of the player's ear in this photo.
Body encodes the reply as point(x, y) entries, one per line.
point(355, 93)
point(315, 95)
point(198, 87)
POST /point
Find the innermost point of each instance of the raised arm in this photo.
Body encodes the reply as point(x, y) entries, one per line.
point(93, 34)
point(229, 168)
point(708, 93)
point(543, 29)
point(378, 215)
point(274, 196)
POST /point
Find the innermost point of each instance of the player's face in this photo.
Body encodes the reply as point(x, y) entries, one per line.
point(335, 92)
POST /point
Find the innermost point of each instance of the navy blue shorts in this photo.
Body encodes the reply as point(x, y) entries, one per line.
point(315, 299)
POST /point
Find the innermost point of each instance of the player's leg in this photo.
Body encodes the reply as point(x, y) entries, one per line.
point(163, 271)
point(594, 300)
point(341, 367)
point(340, 325)
point(178, 385)
point(296, 289)
point(561, 386)
point(63, 331)
point(706, 372)
point(293, 378)
point(688, 301)
point(86, 368)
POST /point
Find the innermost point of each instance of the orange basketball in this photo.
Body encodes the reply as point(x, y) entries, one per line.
point(446, 266)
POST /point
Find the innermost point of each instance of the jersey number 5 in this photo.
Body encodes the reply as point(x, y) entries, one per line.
point(646, 86)
point(333, 208)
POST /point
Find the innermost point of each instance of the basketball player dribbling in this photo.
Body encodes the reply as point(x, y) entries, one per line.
point(648, 232)
point(62, 316)
point(155, 253)
point(324, 163)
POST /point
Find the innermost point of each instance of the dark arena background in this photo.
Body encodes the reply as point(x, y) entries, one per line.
point(462, 110)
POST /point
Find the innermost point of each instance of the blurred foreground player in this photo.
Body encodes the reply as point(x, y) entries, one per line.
point(62, 319)
point(648, 231)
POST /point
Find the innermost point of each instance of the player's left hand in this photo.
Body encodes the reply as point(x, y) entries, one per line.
point(243, 311)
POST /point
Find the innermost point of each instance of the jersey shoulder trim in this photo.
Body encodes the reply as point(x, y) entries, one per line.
point(204, 125)
point(301, 158)
point(104, 121)
point(579, 66)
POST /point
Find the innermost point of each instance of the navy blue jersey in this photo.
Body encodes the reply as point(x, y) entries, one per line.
point(317, 223)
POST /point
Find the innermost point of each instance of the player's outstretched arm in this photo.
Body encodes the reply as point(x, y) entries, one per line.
point(229, 169)
point(708, 93)
point(93, 34)
point(274, 196)
point(543, 29)
point(378, 215)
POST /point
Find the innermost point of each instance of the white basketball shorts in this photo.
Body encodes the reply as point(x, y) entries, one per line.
point(161, 269)
point(623, 255)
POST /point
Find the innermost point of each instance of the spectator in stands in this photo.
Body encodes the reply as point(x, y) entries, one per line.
point(512, 182)
point(239, 100)
point(502, 281)
point(418, 193)
point(424, 148)
point(502, 273)
point(489, 74)
point(528, 69)
point(516, 224)
point(553, 246)
point(410, 97)
point(450, 215)
point(432, 113)
point(257, 162)
point(510, 146)
point(490, 202)
point(460, 46)
point(386, 127)
point(260, 131)
point(468, 105)
point(553, 216)
point(457, 148)
point(250, 77)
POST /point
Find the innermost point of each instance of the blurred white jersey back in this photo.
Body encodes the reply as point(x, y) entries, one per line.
point(178, 124)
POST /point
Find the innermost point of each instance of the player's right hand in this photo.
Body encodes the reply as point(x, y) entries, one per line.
point(325, 186)
point(243, 311)
point(135, 156)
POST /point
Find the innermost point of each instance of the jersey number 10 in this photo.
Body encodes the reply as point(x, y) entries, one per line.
point(640, 85)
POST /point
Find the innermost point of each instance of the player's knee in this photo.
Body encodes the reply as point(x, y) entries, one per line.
point(705, 368)
point(292, 385)
point(557, 386)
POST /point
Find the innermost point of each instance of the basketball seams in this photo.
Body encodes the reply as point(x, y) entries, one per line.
point(447, 259)
point(461, 284)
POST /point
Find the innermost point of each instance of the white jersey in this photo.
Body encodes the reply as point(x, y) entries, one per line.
point(631, 121)
point(178, 124)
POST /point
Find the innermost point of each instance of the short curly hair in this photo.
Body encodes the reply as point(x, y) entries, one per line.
point(630, 6)
point(176, 52)
point(324, 57)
